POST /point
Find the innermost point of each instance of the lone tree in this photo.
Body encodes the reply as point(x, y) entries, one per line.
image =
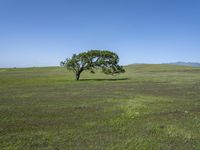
point(90, 60)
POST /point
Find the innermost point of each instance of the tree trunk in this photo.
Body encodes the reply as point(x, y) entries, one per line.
point(78, 75)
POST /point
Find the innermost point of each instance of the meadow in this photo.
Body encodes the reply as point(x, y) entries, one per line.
point(150, 107)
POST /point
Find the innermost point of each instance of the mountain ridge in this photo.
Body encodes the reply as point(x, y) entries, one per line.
point(181, 63)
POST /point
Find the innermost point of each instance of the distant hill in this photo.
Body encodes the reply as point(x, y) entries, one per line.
point(192, 64)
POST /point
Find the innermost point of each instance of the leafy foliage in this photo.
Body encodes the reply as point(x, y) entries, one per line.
point(90, 60)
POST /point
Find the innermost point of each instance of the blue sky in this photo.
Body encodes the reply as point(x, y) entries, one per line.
point(45, 32)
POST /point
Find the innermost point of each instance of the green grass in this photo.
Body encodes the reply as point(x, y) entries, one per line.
point(150, 107)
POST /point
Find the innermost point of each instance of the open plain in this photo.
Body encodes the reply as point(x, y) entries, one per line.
point(150, 107)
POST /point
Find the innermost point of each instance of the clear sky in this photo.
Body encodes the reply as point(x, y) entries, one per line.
point(45, 32)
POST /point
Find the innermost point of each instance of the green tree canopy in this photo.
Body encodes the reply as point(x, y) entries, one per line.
point(104, 59)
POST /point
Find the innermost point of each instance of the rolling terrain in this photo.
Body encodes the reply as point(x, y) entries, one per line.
point(191, 64)
point(149, 107)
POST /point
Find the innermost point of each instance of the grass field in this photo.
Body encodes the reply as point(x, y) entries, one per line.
point(150, 107)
